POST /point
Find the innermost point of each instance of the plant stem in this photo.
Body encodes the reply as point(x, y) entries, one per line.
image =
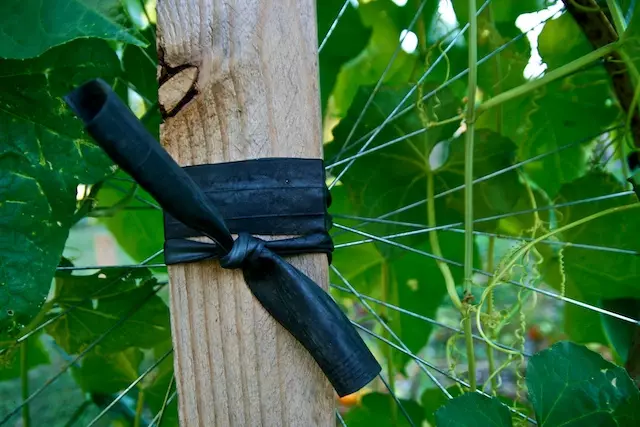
point(490, 353)
point(468, 185)
point(449, 281)
point(507, 265)
point(24, 382)
point(616, 14)
point(553, 75)
point(139, 408)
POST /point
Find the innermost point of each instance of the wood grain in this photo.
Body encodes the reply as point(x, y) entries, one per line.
point(239, 80)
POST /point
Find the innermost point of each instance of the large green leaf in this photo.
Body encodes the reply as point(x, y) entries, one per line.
point(383, 17)
point(571, 385)
point(377, 409)
point(136, 225)
point(108, 373)
point(44, 155)
point(473, 410)
point(599, 274)
point(554, 115)
point(433, 398)
point(30, 27)
point(102, 300)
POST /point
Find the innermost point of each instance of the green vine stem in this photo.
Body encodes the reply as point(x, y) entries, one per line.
point(435, 244)
point(495, 280)
point(468, 186)
point(616, 14)
point(24, 382)
point(490, 353)
point(139, 408)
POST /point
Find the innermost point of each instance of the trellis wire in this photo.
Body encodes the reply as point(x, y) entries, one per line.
point(485, 273)
point(453, 79)
point(424, 318)
point(479, 220)
point(80, 355)
point(340, 419)
point(435, 368)
point(494, 174)
point(128, 389)
point(84, 300)
point(381, 79)
point(343, 9)
point(397, 400)
point(407, 96)
point(387, 328)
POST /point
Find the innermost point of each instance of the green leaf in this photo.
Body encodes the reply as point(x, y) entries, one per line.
point(108, 373)
point(433, 398)
point(44, 155)
point(600, 274)
point(37, 355)
point(136, 226)
point(571, 385)
point(620, 333)
point(113, 295)
point(378, 409)
point(30, 27)
point(347, 40)
point(553, 116)
point(496, 196)
point(383, 17)
point(473, 410)
point(140, 67)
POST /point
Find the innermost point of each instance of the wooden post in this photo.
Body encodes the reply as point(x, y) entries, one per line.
point(239, 80)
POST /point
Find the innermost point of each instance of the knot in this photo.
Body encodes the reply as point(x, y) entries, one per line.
point(243, 247)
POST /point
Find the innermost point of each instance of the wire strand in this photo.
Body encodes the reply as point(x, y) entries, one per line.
point(485, 273)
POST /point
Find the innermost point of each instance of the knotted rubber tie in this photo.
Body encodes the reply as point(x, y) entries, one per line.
point(292, 298)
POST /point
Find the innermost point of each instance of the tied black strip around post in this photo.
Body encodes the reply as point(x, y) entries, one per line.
point(293, 299)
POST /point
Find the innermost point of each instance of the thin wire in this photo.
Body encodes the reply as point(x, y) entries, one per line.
point(497, 235)
point(426, 319)
point(108, 267)
point(406, 97)
point(160, 413)
point(494, 174)
point(485, 219)
point(338, 416)
point(380, 80)
point(400, 405)
point(334, 24)
point(387, 328)
point(80, 355)
point(73, 307)
point(435, 368)
point(128, 389)
point(485, 273)
point(457, 77)
point(552, 242)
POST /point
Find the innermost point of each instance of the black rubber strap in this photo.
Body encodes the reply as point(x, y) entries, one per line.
point(293, 299)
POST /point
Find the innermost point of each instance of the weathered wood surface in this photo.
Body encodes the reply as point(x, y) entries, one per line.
point(239, 80)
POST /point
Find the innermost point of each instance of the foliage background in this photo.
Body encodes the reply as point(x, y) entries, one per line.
point(62, 203)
